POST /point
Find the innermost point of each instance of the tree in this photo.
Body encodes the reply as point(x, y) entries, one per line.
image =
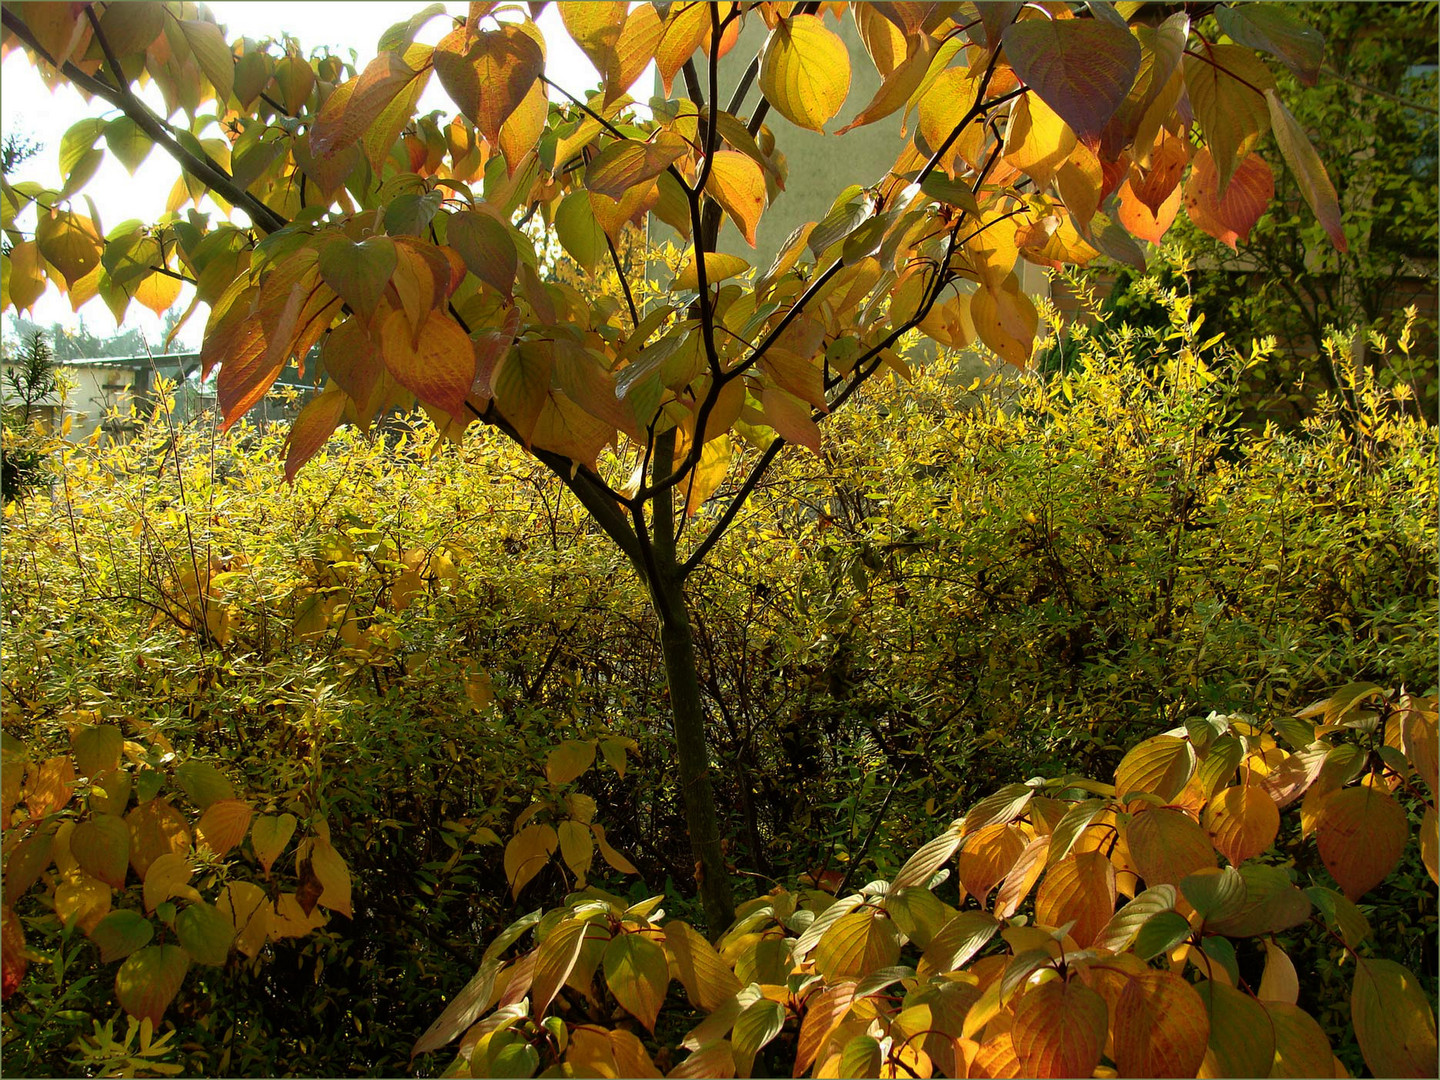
point(1041, 131)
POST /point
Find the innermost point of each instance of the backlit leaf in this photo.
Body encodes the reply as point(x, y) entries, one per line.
point(1037, 141)
point(1301, 1047)
point(805, 71)
point(1248, 196)
point(1277, 31)
point(269, 838)
point(859, 943)
point(1242, 821)
point(156, 829)
point(1309, 170)
point(823, 1013)
point(555, 959)
point(625, 163)
point(1280, 983)
point(488, 74)
point(356, 105)
point(738, 185)
point(314, 425)
point(1227, 85)
point(436, 363)
point(1160, 766)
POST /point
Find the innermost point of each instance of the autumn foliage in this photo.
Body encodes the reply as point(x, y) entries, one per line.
point(1096, 930)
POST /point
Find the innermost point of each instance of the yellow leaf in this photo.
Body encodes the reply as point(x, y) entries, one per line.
point(164, 878)
point(489, 74)
point(1242, 822)
point(158, 292)
point(638, 975)
point(1081, 889)
point(707, 979)
point(858, 944)
point(435, 361)
point(738, 185)
point(1394, 1023)
point(805, 71)
point(1037, 141)
point(527, 853)
point(568, 760)
point(1060, 1029)
point(1361, 833)
point(334, 876)
point(610, 855)
point(1006, 321)
point(718, 267)
point(577, 847)
point(1280, 981)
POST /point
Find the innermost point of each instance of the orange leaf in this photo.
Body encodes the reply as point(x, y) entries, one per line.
point(1230, 218)
point(1160, 1026)
point(437, 365)
point(1081, 889)
point(310, 431)
point(1060, 1029)
point(1166, 846)
point(1242, 822)
point(988, 855)
point(738, 185)
point(488, 74)
point(1361, 833)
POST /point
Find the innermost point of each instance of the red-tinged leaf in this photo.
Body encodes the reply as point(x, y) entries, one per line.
point(707, 979)
point(1394, 1023)
point(1059, 1029)
point(687, 25)
point(1081, 68)
point(1159, 766)
point(51, 784)
point(156, 829)
point(625, 163)
point(527, 854)
point(1156, 184)
point(354, 106)
point(1421, 739)
point(1301, 1046)
point(270, 836)
point(996, 1058)
point(805, 71)
point(823, 1013)
point(638, 975)
point(1277, 31)
point(149, 980)
point(1160, 1026)
point(101, 845)
point(358, 272)
point(1081, 889)
point(1242, 821)
point(1309, 170)
point(1231, 218)
point(25, 863)
point(12, 954)
point(1293, 776)
point(1241, 1042)
point(1166, 846)
point(1361, 833)
point(436, 364)
point(312, 428)
point(121, 933)
point(987, 857)
point(1226, 84)
point(1144, 223)
point(790, 418)
point(488, 74)
point(738, 185)
point(554, 960)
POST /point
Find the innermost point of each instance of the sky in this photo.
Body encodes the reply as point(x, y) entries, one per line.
point(28, 107)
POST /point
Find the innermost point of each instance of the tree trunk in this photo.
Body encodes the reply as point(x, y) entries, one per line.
point(687, 713)
point(688, 723)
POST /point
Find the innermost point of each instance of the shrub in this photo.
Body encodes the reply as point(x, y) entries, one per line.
point(1189, 975)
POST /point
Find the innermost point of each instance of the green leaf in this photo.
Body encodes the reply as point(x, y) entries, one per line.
point(580, 234)
point(638, 975)
point(1161, 933)
point(121, 933)
point(1242, 1042)
point(488, 248)
point(127, 142)
point(215, 57)
point(1082, 68)
point(1273, 29)
point(149, 980)
point(1309, 170)
point(756, 1026)
point(203, 783)
point(1215, 893)
point(205, 933)
point(358, 272)
point(1394, 1023)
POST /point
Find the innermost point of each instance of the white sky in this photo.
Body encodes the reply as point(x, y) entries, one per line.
point(26, 106)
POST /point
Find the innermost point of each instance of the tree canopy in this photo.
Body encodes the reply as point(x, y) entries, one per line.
point(1050, 133)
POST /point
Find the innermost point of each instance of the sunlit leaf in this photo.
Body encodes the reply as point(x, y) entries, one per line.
point(805, 71)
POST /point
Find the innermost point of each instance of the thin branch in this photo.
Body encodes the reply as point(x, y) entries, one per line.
point(202, 168)
point(624, 282)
